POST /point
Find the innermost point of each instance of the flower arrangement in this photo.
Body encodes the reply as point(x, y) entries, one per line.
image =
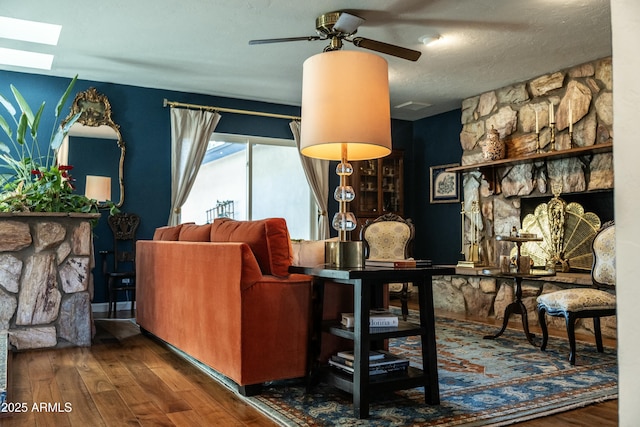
point(32, 181)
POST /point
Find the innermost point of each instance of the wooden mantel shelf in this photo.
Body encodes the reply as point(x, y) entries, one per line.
point(560, 154)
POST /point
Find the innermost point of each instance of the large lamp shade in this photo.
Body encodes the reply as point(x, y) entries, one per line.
point(345, 101)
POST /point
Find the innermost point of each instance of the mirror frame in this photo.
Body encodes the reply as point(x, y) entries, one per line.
point(95, 110)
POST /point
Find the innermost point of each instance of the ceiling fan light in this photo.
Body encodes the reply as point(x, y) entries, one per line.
point(428, 39)
point(345, 101)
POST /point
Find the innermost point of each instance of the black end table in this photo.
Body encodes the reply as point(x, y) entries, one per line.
point(367, 287)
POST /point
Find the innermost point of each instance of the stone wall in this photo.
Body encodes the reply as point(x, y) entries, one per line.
point(512, 112)
point(45, 279)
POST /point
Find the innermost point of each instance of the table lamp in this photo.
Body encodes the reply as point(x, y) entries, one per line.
point(98, 188)
point(345, 116)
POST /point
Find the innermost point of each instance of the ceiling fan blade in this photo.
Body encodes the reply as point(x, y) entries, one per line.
point(347, 23)
point(286, 39)
point(389, 49)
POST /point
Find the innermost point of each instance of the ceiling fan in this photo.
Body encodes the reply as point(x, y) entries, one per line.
point(339, 26)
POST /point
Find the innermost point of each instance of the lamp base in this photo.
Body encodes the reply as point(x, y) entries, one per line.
point(343, 255)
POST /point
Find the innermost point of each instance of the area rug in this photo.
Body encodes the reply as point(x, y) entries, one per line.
point(482, 382)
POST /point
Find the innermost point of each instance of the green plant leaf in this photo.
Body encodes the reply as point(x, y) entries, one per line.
point(36, 122)
point(9, 106)
point(65, 95)
point(62, 131)
point(24, 106)
point(5, 127)
point(4, 148)
point(22, 129)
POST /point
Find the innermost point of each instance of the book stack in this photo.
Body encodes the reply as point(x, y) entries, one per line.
point(398, 263)
point(377, 319)
point(380, 362)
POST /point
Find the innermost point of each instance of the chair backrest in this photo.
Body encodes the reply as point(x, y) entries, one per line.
point(124, 227)
point(603, 271)
point(388, 237)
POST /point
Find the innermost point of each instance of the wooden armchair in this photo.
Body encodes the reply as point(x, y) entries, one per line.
point(121, 277)
point(580, 303)
point(390, 237)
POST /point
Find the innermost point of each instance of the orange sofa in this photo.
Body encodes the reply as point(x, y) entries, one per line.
point(222, 293)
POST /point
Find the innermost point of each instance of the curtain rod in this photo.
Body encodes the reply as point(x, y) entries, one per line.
point(228, 110)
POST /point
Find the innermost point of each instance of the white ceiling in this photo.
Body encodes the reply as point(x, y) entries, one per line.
point(201, 46)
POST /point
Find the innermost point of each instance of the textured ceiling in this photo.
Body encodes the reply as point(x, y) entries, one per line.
point(201, 46)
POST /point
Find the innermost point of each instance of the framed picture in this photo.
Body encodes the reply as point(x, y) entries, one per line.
point(444, 187)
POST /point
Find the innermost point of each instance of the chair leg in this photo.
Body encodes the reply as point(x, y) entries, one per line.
point(543, 325)
point(404, 300)
point(110, 294)
point(598, 334)
point(133, 301)
point(571, 334)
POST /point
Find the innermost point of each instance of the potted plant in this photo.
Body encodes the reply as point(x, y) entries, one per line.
point(31, 180)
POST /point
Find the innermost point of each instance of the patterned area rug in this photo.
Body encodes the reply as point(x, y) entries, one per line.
point(482, 382)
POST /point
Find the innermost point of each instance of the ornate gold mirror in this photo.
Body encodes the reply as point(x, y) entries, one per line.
point(95, 149)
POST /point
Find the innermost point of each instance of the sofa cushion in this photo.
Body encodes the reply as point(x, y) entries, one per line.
point(168, 232)
point(195, 233)
point(307, 253)
point(267, 238)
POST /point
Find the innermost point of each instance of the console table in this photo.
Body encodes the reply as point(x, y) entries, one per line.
point(367, 287)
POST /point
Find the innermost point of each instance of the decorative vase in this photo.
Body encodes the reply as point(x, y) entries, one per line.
point(493, 148)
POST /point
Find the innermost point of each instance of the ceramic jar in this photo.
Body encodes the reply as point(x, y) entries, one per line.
point(493, 148)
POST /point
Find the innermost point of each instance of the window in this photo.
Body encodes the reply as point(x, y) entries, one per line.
point(247, 177)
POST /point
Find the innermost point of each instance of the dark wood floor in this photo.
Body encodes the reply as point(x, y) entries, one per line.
point(136, 381)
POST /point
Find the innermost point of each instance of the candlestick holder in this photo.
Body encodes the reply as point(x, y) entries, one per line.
point(552, 126)
point(570, 139)
point(538, 150)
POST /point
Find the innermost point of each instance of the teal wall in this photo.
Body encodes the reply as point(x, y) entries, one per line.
point(145, 127)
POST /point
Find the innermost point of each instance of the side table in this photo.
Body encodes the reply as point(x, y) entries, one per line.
point(517, 306)
point(367, 285)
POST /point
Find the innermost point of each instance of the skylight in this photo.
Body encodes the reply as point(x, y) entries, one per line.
point(29, 31)
point(23, 58)
point(32, 32)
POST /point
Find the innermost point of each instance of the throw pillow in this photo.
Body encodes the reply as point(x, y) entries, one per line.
point(195, 233)
point(168, 232)
point(268, 239)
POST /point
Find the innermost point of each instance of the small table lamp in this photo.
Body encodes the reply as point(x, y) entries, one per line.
point(345, 116)
point(98, 188)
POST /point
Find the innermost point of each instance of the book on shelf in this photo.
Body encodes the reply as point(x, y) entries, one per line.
point(387, 364)
point(377, 318)
point(373, 355)
point(398, 263)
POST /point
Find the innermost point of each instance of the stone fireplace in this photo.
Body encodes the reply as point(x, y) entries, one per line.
point(502, 191)
point(45, 279)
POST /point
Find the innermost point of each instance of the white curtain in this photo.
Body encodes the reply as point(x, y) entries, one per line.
point(190, 134)
point(317, 172)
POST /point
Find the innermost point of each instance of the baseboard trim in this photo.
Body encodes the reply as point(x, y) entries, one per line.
point(103, 307)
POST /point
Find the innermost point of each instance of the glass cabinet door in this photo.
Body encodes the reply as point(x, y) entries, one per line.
point(379, 187)
point(367, 187)
point(391, 185)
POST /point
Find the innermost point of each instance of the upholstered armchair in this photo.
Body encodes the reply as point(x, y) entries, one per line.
point(390, 237)
point(577, 303)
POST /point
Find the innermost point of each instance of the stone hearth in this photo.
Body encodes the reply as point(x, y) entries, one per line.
point(45, 279)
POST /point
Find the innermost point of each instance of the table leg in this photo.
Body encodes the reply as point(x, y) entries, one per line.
point(428, 341)
point(516, 307)
point(315, 332)
point(361, 345)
